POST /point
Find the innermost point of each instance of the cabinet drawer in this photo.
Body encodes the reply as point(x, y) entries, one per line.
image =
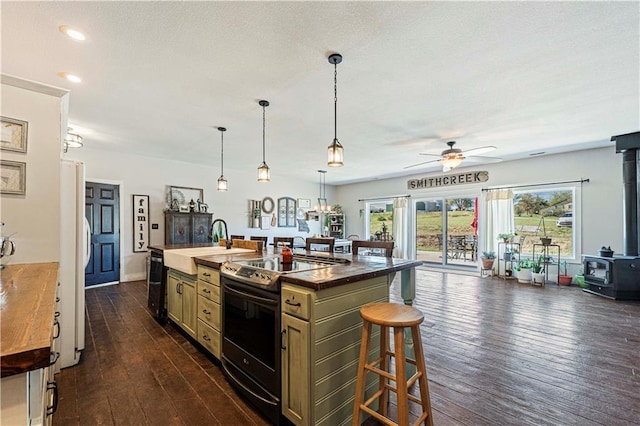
point(208, 275)
point(209, 312)
point(209, 338)
point(209, 291)
point(296, 302)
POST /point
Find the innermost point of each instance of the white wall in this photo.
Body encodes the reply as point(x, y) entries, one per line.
point(601, 209)
point(151, 176)
point(34, 218)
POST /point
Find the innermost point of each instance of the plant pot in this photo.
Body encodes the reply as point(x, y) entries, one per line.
point(505, 240)
point(507, 256)
point(537, 278)
point(487, 263)
point(565, 279)
point(545, 241)
point(580, 281)
point(524, 276)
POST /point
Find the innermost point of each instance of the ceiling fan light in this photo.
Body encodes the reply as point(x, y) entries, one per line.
point(264, 174)
point(452, 161)
point(336, 154)
point(222, 184)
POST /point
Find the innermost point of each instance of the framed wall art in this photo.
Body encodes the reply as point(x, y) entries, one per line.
point(304, 203)
point(181, 196)
point(140, 223)
point(14, 134)
point(13, 177)
point(286, 212)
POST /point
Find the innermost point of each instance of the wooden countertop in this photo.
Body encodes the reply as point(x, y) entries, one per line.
point(27, 307)
point(360, 268)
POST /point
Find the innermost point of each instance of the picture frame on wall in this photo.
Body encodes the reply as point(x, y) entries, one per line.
point(13, 177)
point(140, 209)
point(13, 136)
point(179, 196)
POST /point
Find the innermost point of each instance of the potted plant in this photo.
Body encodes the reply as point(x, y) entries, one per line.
point(488, 257)
point(537, 271)
point(524, 271)
point(564, 278)
point(506, 236)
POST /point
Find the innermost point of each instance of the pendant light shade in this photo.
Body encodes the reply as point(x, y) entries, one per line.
point(335, 152)
point(264, 174)
point(322, 199)
point(222, 182)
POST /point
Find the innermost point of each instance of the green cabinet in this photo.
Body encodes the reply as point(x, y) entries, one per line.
point(181, 301)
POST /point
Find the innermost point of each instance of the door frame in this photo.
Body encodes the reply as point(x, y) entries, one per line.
point(120, 185)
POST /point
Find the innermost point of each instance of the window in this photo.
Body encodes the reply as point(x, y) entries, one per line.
point(379, 223)
point(547, 212)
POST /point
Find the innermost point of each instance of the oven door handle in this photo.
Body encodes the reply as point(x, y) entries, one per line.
point(249, 296)
point(239, 383)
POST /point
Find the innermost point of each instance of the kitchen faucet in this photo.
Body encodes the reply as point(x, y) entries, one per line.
point(226, 232)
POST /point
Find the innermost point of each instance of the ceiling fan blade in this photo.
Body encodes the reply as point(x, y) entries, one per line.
point(478, 151)
point(431, 155)
point(420, 164)
point(481, 159)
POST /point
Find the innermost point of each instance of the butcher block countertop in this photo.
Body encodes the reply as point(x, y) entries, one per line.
point(27, 307)
point(360, 268)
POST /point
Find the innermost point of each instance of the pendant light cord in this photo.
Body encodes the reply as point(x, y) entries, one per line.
point(263, 131)
point(335, 101)
point(222, 153)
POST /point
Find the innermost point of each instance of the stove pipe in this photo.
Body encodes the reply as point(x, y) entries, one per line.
point(629, 145)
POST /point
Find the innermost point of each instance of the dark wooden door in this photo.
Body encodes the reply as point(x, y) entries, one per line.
point(102, 209)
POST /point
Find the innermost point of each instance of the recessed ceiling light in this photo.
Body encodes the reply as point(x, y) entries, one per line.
point(72, 78)
point(73, 33)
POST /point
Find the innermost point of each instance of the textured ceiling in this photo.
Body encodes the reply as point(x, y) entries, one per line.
point(159, 77)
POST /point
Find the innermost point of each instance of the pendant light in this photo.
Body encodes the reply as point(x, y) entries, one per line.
point(322, 199)
point(263, 169)
point(336, 153)
point(222, 182)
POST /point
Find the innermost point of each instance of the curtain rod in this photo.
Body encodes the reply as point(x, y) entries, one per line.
point(535, 184)
point(385, 198)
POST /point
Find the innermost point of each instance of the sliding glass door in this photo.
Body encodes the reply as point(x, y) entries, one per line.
point(446, 231)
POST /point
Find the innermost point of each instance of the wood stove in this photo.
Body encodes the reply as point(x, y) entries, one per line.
point(618, 277)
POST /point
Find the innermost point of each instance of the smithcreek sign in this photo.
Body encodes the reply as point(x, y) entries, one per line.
point(449, 180)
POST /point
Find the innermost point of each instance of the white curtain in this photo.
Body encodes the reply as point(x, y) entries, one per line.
point(400, 231)
point(498, 218)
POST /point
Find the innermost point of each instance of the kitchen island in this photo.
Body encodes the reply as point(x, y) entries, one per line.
point(318, 326)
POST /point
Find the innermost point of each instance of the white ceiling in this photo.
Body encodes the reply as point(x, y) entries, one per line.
point(159, 77)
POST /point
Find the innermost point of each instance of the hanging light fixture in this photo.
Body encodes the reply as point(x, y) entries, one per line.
point(336, 152)
point(72, 140)
point(322, 199)
point(222, 182)
point(263, 169)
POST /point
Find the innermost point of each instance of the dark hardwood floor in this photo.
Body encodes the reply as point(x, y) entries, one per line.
point(497, 353)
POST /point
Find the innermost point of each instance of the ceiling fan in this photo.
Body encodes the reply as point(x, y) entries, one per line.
point(452, 157)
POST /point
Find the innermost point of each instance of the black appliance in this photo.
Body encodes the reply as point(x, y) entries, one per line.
point(157, 286)
point(618, 276)
point(251, 325)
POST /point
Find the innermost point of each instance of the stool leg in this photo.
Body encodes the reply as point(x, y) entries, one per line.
point(384, 366)
point(401, 376)
point(423, 380)
point(361, 381)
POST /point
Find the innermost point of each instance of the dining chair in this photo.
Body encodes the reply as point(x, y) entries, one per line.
point(237, 237)
point(374, 246)
point(329, 242)
point(284, 240)
point(260, 238)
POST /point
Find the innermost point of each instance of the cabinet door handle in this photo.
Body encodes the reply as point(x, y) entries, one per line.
point(179, 288)
point(283, 338)
point(206, 274)
point(53, 357)
point(54, 407)
point(207, 338)
point(205, 290)
point(288, 302)
point(204, 311)
point(56, 324)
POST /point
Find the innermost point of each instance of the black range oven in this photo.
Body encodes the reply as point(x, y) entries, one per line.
point(251, 328)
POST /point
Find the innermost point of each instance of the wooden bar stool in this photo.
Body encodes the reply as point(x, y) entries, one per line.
point(398, 317)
